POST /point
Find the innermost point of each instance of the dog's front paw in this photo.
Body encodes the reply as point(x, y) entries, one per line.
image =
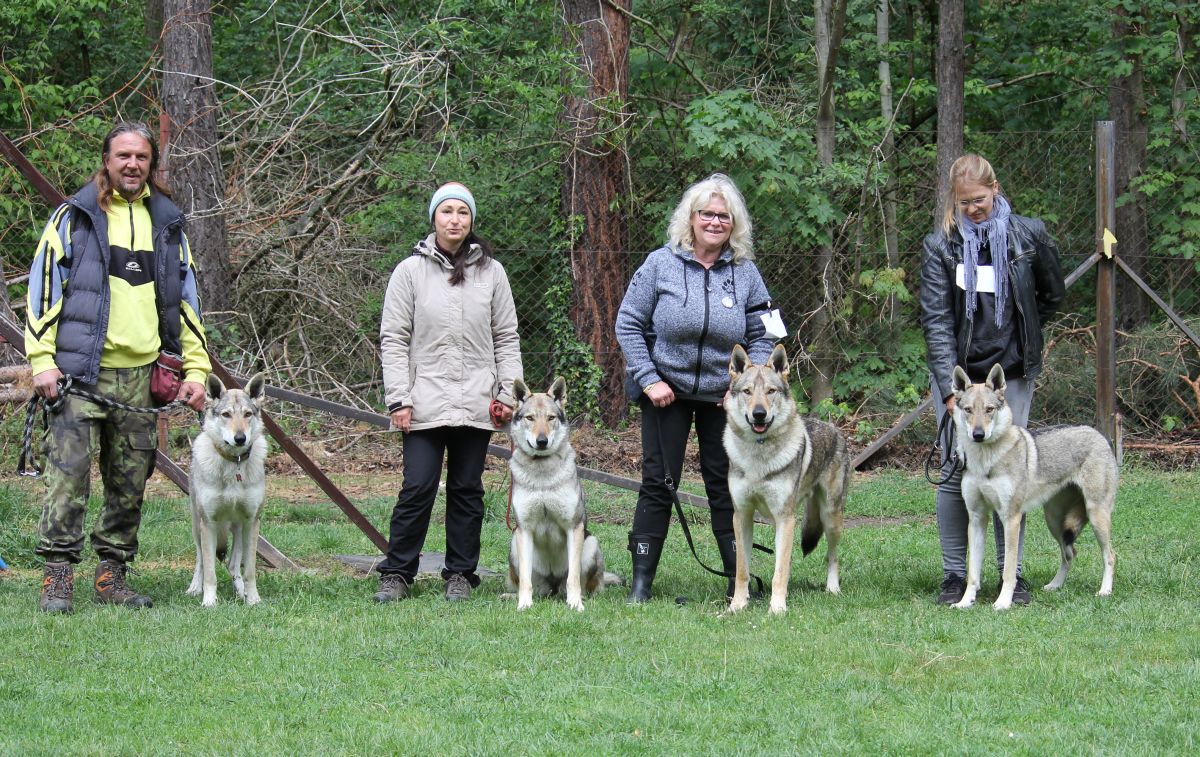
point(193, 589)
point(576, 604)
point(737, 604)
point(964, 603)
point(252, 598)
point(778, 608)
point(1002, 604)
point(209, 601)
point(524, 603)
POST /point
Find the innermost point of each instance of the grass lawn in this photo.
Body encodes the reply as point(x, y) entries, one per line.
point(317, 668)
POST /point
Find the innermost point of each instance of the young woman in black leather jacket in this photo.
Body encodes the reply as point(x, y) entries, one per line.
point(989, 280)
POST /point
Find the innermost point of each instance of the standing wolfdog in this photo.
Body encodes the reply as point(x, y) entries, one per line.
point(780, 462)
point(228, 481)
point(551, 551)
point(1070, 470)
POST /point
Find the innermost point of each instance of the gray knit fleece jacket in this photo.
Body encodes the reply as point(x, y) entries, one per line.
point(679, 321)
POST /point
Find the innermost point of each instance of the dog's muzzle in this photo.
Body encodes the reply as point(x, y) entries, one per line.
point(758, 422)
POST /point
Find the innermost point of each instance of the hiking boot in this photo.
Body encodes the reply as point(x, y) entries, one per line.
point(58, 587)
point(1020, 591)
point(953, 588)
point(392, 587)
point(112, 589)
point(458, 588)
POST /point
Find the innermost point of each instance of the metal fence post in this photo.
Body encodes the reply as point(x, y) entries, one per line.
point(1106, 284)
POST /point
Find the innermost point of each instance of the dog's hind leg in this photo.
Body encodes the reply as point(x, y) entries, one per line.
point(743, 535)
point(785, 532)
point(1100, 515)
point(592, 565)
point(826, 504)
point(233, 557)
point(1064, 515)
point(247, 555)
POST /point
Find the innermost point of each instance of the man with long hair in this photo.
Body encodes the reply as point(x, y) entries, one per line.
point(111, 287)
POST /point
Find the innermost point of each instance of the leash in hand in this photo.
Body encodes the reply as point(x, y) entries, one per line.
point(27, 465)
point(947, 431)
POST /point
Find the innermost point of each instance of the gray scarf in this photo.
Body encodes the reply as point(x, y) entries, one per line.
point(994, 233)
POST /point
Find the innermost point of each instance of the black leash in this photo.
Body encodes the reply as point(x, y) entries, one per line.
point(945, 428)
point(687, 532)
point(27, 465)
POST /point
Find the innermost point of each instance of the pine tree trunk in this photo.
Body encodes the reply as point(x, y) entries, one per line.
point(193, 163)
point(949, 95)
point(595, 181)
point(1126, 102)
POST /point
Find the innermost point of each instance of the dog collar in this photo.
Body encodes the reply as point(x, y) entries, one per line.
point(239, 459)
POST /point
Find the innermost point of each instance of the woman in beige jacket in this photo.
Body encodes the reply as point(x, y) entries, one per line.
point(449, 344)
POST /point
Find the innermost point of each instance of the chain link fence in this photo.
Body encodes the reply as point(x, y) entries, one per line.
point(857, 319)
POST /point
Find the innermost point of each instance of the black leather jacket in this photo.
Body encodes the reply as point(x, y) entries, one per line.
point(1037, 290)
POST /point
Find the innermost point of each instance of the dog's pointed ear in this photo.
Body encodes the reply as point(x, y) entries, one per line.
point(778, 360)
point(960, 381)
point(995, 378)
point(519, 391)
point(256, 387)
point(558, 390)
point(215, 387)
point(739, 361)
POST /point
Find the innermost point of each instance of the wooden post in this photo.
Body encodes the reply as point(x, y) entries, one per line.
point(1106, 284)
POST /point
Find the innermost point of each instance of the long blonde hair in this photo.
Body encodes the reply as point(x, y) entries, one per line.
point(741, 235)
point(969, 169)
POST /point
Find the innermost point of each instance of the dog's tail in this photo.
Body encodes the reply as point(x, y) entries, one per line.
point(1073, 521)
point(810, 535)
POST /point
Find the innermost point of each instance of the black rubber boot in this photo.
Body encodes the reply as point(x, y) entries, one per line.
point(644, 551)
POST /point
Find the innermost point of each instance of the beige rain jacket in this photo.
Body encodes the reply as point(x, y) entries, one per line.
point(448, 350)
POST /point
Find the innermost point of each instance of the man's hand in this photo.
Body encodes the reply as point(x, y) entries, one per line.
point(192, 392)
point(45, 384)
point(950, 404)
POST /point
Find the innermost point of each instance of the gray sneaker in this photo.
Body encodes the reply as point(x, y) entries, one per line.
point(458, 588)
point(392, 587)
point(58, 587)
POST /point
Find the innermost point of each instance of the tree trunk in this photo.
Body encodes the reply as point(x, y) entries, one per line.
point(595, 180)
point(1126, 102)
point(830, 20)
point(194, 165)
point(949, 95)
point(890, 237)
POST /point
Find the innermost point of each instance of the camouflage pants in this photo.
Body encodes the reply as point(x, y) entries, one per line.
point(127, 446)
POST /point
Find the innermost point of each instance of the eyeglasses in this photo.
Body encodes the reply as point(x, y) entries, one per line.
point(978, 202)
point(708, 217)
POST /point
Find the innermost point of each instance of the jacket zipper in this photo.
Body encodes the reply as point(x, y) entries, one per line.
point(703, 334)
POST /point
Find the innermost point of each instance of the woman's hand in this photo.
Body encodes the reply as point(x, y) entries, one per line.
point(402, 419)
point(660, 393)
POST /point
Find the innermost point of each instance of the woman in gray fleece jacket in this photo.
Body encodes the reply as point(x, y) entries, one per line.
point(690, 302)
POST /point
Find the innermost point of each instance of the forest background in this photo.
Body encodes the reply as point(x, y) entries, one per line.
point(304, 139)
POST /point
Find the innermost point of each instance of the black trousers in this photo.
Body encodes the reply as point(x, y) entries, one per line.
point(465, 450)
point(665, 433)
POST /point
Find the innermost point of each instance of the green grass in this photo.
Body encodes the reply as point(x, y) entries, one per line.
point(318, 669)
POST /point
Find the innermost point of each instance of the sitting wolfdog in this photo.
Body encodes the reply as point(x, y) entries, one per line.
point(552, 551)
